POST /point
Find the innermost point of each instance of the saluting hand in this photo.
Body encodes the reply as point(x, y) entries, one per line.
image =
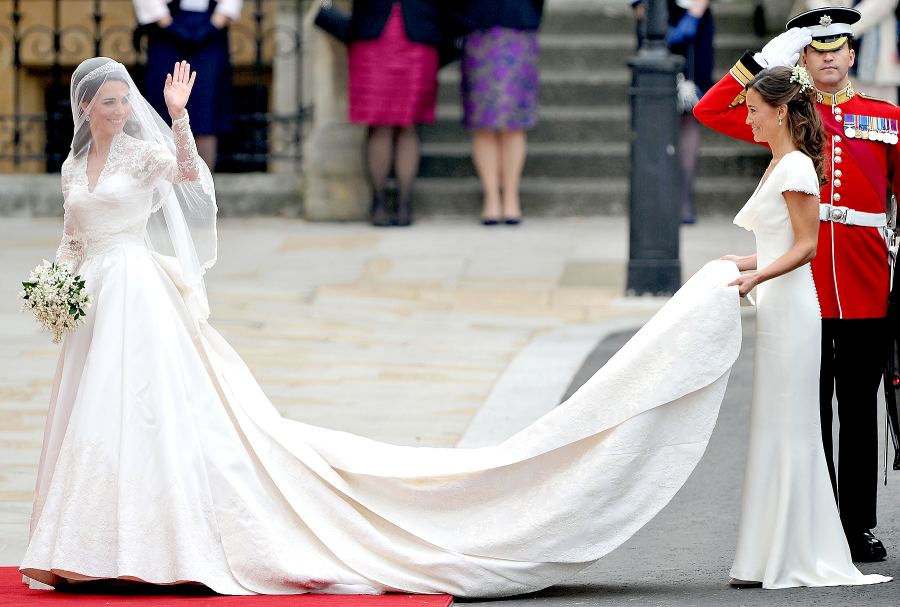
point(177, 89)
point(785, 48)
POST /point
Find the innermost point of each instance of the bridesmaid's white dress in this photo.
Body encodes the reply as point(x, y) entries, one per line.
point(790, 532)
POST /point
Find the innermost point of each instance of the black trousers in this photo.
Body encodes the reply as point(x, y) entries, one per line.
point(854, 353)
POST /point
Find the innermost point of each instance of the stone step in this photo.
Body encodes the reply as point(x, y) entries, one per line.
point(237, 195)
point(574, 160)
point(255, 194)
point(605, 86)
point(573, 52)
point(597, 125)
point(619, 18)
point(557, 123)
point(572, 197)
point(580, 88)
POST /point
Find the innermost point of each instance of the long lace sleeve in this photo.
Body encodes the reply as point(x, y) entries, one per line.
point(71, 246)
point(184, 166)
point(186, 156)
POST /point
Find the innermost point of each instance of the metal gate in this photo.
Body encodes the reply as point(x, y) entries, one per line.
point(41, 42)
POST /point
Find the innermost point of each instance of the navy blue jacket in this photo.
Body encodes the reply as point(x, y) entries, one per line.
point(426, 21)
point(692, 38)
point(513, 14)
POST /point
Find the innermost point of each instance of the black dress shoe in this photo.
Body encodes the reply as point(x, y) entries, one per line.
point(736, 583)
point(866, 548)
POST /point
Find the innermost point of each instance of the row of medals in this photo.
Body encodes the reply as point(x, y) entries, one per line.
point(872, 128)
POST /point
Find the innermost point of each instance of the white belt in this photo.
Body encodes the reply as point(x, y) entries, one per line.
point(829, 212)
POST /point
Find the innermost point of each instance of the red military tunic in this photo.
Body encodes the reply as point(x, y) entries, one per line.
point(850, 269)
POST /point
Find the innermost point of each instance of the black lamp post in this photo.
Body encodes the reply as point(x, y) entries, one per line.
point(654, 266)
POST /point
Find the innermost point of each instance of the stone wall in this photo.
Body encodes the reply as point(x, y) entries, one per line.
point(334, 184)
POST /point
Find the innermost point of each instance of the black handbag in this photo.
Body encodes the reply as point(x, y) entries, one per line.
point(333, 21)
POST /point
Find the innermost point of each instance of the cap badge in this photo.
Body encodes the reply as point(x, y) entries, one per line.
point(825, 21)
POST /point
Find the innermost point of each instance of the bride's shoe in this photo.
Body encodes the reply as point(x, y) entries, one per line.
point(738, 583)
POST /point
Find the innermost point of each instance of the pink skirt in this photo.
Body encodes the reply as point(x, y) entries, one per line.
point(393, 80)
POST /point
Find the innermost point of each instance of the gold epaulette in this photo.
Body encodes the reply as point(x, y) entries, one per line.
point(743, 71)
point(873, 98)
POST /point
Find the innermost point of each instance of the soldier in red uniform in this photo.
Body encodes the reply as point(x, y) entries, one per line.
point(851, 268)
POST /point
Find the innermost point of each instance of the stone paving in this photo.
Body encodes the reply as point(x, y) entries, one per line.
point(398, 334)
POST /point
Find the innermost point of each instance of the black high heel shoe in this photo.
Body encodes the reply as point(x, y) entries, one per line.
point(404, 216)
point(378, 214)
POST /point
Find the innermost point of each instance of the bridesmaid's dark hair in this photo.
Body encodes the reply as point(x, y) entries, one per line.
point(807, 131)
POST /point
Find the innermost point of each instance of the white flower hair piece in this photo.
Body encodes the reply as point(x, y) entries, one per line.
point(801, 77)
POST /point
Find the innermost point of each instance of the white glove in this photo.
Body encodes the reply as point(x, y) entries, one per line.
point(784, 49)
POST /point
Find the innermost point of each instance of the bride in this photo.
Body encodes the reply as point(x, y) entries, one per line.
point(163, 462)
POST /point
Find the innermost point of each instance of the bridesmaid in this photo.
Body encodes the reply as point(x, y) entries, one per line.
point(790, 533)
point(500, 96)
point(393, 68)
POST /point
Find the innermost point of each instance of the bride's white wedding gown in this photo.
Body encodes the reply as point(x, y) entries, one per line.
point(163, 461)
point(790, 532)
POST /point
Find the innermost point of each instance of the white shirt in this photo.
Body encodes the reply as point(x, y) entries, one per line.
point(151, 11)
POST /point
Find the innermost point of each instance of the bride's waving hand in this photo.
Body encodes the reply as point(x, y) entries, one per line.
point(177, 89)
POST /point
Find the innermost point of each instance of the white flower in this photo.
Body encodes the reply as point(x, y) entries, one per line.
point(800, 76)
point(56, 297)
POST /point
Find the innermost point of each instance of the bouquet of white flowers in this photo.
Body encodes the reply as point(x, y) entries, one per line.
point(56, 297)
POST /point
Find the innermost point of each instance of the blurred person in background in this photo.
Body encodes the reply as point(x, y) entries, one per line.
point(197, 31)
point(393, 64)
point(690, 35)
point(500, 96)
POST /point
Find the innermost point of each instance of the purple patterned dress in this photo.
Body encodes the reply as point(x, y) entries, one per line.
point(500, 79)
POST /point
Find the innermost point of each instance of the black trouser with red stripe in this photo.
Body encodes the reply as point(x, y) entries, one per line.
point(854, 352)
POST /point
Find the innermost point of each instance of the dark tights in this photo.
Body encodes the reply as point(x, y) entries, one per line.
point(393, 147)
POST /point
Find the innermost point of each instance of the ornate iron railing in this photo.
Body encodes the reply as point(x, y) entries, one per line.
point(41, 41)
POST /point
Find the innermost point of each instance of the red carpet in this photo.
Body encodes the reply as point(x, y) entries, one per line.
point(13, 593)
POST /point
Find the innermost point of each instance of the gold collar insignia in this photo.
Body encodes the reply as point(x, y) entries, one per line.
point(842, 96)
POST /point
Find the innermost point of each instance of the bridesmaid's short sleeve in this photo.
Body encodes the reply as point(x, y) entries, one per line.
point(800, 175)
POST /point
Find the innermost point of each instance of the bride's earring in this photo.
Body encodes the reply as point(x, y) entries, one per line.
point(779, 120)
point(88, 118)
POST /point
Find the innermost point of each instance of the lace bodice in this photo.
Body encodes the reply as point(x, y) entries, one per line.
point(126, 193)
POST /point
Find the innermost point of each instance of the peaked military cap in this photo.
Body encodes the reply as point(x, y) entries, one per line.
point(830, 26)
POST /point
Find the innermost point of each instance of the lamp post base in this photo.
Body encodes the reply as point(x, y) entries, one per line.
point(653, 276)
